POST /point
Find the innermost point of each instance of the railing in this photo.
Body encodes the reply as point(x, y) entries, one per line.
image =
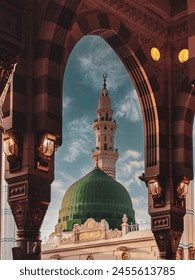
point(141, 226)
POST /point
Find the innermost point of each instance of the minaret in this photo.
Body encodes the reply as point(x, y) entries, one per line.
point(105, 155)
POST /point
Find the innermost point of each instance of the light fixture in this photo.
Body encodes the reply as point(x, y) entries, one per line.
point(156, 190)
point(12, 151)
point(183, 55)
point(155, 53)
point(154, 187)
point(182, 188)
point(46, 149)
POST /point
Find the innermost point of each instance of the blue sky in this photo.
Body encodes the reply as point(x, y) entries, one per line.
point(82, 86)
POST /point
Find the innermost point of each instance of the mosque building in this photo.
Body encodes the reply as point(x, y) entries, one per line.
point(98, 195)
point(97, 219)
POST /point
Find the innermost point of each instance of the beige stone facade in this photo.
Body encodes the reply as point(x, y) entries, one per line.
point(95, 241)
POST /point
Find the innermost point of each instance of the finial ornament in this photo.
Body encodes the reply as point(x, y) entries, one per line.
point(104, 77)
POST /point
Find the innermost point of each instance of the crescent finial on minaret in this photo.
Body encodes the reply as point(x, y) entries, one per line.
point(104, 77)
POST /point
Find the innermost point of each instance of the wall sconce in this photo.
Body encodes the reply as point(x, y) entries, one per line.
point(12, 151)
point(156, 191)
point(46, 149)
point(154, 187)
point(181, 191)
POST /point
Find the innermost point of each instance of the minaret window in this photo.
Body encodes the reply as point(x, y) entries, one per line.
point(105, 127)
point(105, 147)
point(98, 138)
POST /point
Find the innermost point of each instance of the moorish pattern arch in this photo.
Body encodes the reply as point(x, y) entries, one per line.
point(123, 42)
point(52, 28)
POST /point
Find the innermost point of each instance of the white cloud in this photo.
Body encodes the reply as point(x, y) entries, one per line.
point(75, 149)
point(139, 201)
point(129, 107)
point(92, 65)
point(86, 169)
point(66, 102)
point(80, 126)
point(130, 162)
point(130, 154)
point(79, 137)
point(129, 167)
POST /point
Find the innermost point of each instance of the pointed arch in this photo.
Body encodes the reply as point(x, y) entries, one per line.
point(53, 51)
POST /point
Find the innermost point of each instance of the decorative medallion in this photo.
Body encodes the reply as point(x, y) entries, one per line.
point(155, 53)
point(125, 256)
point(183, 55)
point(90, 257)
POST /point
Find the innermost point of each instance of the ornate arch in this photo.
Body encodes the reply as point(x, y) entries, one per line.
point(54, 49)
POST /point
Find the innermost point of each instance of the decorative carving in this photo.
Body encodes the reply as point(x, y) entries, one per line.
point(90, 230)
point(17, 191)
point(161, 222)
point(162, 240)
point(20, 212)
point(167, 241)
point(91, 235)
point(26, 186)
point(38, 213)
point(175, 237)
point(140, 19)
point(28, 215)
point(68, 239)
point(113, 234)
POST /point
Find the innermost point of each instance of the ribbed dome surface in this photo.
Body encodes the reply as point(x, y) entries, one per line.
point(96, 196)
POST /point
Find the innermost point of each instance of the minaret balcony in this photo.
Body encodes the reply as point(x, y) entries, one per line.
point(110, 152)
point(96, 149)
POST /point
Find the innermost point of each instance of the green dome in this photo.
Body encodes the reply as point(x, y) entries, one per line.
point(96, 196)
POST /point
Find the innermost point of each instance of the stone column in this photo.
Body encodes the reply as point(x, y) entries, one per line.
point(29, 197)
point(167, 208)
point(125, 226)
